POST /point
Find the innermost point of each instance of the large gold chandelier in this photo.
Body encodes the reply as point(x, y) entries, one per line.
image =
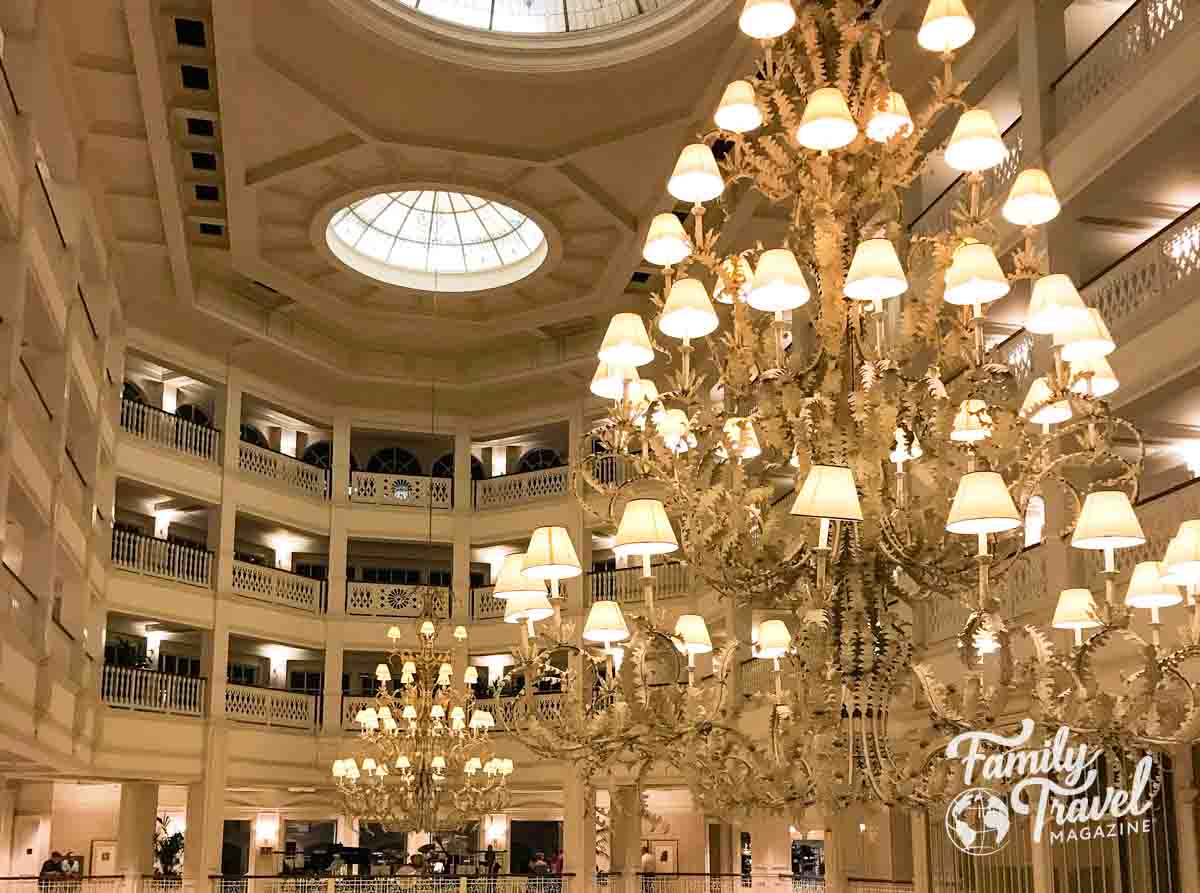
point(425, 760)
point(885, 408)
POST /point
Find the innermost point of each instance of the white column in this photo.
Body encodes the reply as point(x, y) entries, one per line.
point(135, 829)
point(8, 804)
point(579, 831)
point(1186, 832)
point(625, 824)
point(919, 823)
point(771, 853)
point(205, 830)
point(331, 720)
point(463, 498)
point(1041, 51)
point(835, 855)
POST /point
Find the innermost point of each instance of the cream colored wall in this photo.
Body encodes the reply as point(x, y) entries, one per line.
point(687, 828)
point(83, 813)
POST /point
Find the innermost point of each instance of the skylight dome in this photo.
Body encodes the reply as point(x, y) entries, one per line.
point(436, 240)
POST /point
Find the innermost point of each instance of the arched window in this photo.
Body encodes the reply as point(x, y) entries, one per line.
point(395, 460)
point(193, 413)
point(130, 391)
point(444, 468)
point(319, 454)
point(538, 458)
point(252, 435)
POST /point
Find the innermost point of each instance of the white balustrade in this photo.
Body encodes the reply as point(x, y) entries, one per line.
point(400, 489)
point(283, 469)
point(278, 587)
point(515, 489)
point(547, 707)
point(166, 429)
point(758, 677)
point(692, 883)
point(21, 604)
point(939, 216)
point(150, 690)
point(671, 580)
point(270, 706)
point(141, 554)
point(1119, 57)
point(395, 599)
point(485, 605)
point(100, 884)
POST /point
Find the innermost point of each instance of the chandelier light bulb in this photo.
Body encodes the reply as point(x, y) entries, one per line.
point(778, 283)
point(395, 633)
point(551, 555)
point(437, 711)
point(470, 677)
point(409, 712)
point(1107, 521)
point(688, 312)
point(645, 530)
point(828, 492)
point(1147, 589)
point(740, 432)
point(1041, 408)
point(1093, 378)
point(477, 721)
point(692, 631)
point(1086, 341)
point(972, 422)
point(696, 178)
point(975, 144)
point(1075, 610)
point(766, 19)
point(975, 276)
point(946, 27)
point(626, 342)
point(982, 504)
point(339, 769)
point(774, 639)
point(734, 279)
point(666, 242)
point(826, 123)
point(368, 765)
point(383, 673)
point(428, 630)
point(605, 623)
point(889, 118)
point(402, 762)
point(875, 272)
point(409, 669)
point(1055, 305)
point(1032, 200)
point(738, 111)
point(460, 633)
point(674, 429)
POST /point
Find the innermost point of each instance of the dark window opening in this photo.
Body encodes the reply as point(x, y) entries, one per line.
point(201, 127)
point(206, 193)
point(190, 33)
point(195, 77)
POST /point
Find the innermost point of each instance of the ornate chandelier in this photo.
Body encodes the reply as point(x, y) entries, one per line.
point(425, 760)
point(880, 406)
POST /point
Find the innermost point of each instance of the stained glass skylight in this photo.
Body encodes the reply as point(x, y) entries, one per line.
point(437, 240)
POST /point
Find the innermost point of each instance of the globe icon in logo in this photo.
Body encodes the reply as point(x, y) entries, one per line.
point(978, 822)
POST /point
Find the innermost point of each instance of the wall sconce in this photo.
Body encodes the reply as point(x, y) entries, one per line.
point(266, 830)
point(495, 830)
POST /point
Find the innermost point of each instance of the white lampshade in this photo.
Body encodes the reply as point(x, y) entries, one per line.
point(383, 672)
point(437, 711)
point(1075, 610)
point(409, 712)
point(527, 606)
point(889, 118)
point(1054, 305)
point(1107, 521)
point(339, 769)
point(645, 529)
point(1041, 408)
point(826, 123)
point(778, 283)
point(740, 432)
point(688, 312)
point(675, 431)
point(512, 581)
point(470, 676)
point(875, 272)
point(1032, 200)
point(438, 763)
point(403, 762)
point(972, 422)
point(946, 27)
point(738, 111)
point(766, 19)
point(1147, 588)
point(693, 632)
point(666, 242)
point(609, 381)
point(551, 555)
point(828, 492)
point(1183, 556)
point(606, 623)
point(1094, 377)
point(982, 504)
point(696, 177)
point(975, 144)
point(774, 639)
point(975, 276)
point(736, 277)
point(626, 342)
point(1085, 341)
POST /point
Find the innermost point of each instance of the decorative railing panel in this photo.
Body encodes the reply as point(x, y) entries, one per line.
point(399, 489)
point(22, 603)
point(271, 706)
point(166, 429)
point(278, 587)
point(283, 469)
point(141, 554)
point(395, 599)
point(1115, 60)
point(939, 216)
point(150, 690)
point(514, 489)
point(547, 707)
point(624, 585)
point(485, 605)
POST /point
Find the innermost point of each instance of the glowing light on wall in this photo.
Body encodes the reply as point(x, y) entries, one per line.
point(266, 829)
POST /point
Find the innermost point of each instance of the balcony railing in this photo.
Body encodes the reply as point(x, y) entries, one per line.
point(150, 690)
point(142, 554)
point(278, 587)
point(1113, 61)
point(515, 489)
point(480, 883)
point(395, 599)
point(485, 605)
point(22, 603)
point(547, 706)
point(166, 429)
point(283, 469)
point(271, 706)
point(624, 585)
point(399, 489)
